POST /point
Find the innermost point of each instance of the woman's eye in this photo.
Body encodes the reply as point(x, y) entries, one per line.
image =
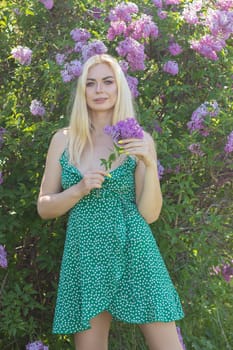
point(90, 83)
point(108, 82)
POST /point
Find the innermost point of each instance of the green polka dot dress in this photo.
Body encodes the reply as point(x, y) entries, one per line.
point(111, 260)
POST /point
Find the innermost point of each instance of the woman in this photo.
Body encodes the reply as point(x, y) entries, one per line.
point(111, 266)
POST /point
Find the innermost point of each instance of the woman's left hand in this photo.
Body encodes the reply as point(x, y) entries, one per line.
point(142, 148)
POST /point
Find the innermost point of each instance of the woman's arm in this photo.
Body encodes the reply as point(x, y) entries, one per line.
point(52, 200)
point(148, 191)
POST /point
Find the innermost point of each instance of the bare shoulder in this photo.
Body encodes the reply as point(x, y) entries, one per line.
point(58, 143)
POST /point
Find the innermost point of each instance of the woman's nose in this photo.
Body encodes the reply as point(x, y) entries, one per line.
point(99, 87)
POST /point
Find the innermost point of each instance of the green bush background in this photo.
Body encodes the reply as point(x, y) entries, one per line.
point(194, 231)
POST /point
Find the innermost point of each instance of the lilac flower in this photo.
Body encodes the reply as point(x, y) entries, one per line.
point(37, 108)
point(78, 46)
point(162, 14)
point(158, 128)
point(96, 12)
point(195, 148)
point(79, 34)
point(133, 84)
point(175, 49)
point(190, 12)
point(172, 2)
point(180, 338)
point(117, 28)
point(197, 122)
point(143, 28)
point(47, 3)
point(37, 345)
point(160, 169)
point(226, 270)
point(124, 66)
point(60, 59)
point(96, 47)
point(171, 67)
point(22, 54)
point(229, 145)
point(220, 23)
point(3, 253)
point(134, 53)
point(125, 129)
point(208, 46)
point(123, 12)
point(158, 3)
point(224, 5)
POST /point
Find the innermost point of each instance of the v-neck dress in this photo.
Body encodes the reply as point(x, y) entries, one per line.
point(111, 261)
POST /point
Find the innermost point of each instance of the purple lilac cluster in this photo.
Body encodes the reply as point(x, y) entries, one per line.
point(174, 49)
point(229, 145)
point(162, 5)
point(48, 4)
point(132, 30)
point(22, 54)
point(171, 67)
point(37, 108)
point(37, 345)
point(197, 122)
point(83, 48)
point(160, 169)
point(218, 21)
point(226, 270)
point(3, 257)
point(180, 338)
point(124, 129)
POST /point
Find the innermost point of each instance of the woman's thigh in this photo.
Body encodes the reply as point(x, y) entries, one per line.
point(161, 336)
point(95, 338)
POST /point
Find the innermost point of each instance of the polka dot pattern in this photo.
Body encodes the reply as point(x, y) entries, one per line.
point(111, 260)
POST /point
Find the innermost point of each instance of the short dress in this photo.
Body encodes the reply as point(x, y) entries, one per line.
point(111, 261)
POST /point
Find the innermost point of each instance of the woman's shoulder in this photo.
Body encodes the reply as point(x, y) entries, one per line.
point(59, 141)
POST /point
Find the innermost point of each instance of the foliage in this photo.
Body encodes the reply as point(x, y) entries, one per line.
point(194, 231)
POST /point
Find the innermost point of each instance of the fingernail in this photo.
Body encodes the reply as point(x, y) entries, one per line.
point(109, 175)
point(120, 141)
point(121, 151)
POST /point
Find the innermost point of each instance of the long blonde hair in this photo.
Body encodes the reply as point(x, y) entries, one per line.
point(80, 124)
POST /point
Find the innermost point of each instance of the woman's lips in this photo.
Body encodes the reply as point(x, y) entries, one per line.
point(100, 100)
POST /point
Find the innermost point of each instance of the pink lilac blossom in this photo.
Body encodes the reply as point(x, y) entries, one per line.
point(220, 23)
point(3, 253)
point(37, 345)
point(22, 54)
point(195, 148)
point(124, 129)
point(48, 4)
point(226, 270)
point(79, 34)
point(143, 28)
point(190, 12)
point(208, 46)
point(96, 47)
point(134, 53)
point(133, 85)
point(117, 28)
point(180, 338)
point(162, 14)
point(175, 49)
point(71, 71)
point(37, 108)
point(229, 145)
point(224, 5)
point(158, 3)
point(123, 12)
point(171, 67)
point(172, 2)
point(124, 66)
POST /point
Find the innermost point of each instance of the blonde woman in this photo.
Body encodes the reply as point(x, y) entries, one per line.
point(111, 266)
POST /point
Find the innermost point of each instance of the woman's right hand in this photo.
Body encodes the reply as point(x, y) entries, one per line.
point(92, 179)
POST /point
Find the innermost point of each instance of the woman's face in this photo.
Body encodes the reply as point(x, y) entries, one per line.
point(101, 88)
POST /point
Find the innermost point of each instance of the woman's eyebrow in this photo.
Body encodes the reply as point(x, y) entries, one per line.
point(105, 78)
